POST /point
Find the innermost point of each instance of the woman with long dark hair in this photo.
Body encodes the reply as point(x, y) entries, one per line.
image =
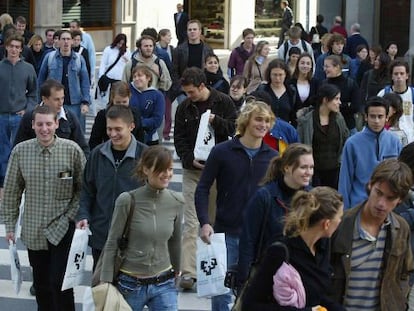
point(214, 74)
point(304, 82)
point(325, 130)
point(377, 78)
point(116, 54)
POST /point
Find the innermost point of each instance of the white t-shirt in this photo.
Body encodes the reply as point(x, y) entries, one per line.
point(406, 122)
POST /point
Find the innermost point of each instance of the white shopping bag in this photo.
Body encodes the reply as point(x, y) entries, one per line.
point(75, 267)
point(88, 304)
point(15, 269)
point(211, 266)
point(205, 138)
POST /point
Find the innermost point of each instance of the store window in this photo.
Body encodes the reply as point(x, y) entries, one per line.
point(268, 18)
point(211, 14)
point(17, 8)
point(91, 13)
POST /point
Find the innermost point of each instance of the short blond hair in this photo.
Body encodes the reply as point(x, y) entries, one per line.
point(253, 106)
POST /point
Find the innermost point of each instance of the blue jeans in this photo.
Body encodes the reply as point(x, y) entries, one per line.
point(221, 302)
point(76, 110)
point(157, 297)
point(9, 123)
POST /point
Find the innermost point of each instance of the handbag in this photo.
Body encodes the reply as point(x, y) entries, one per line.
point(106, 297)
point(120, 254)
point(238, 304)
point(315, 37)
point(104, 81)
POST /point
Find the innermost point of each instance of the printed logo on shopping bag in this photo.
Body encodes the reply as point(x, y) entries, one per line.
point(75, 266)
point(211, 266)
point(208, 266)
point(78, 259)
point(208, 137)
point(205, 140)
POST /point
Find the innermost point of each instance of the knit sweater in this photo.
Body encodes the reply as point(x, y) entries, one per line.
point(156, 224)
point(19, 86)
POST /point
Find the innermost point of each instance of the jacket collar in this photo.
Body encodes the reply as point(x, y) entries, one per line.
point(371, 133)
point(105, 149)
point(345, 231)
point(238, 145)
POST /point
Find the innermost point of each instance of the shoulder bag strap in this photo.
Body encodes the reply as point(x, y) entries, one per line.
point(123, 241)
point(113, 64)
point(281, 244)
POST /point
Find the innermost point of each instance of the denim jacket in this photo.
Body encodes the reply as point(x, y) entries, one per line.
point(78, 78)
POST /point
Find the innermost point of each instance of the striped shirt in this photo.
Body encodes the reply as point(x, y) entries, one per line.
point(51, 178)
point(363, 291)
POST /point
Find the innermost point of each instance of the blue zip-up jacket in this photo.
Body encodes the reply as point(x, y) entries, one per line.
point(78, 77)
point(271, 196)
point(151, 104)
point(102, 183)
point(361, 154)
point(237, 177)
point(283, 130)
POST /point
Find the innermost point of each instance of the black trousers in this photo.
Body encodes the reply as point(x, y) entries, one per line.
point(48, 271)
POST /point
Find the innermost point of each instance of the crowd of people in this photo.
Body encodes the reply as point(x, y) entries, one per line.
point(322, 132)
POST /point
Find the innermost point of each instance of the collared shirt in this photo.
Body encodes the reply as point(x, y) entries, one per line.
point(366, 267)
point(51, 178)
point(60, 115)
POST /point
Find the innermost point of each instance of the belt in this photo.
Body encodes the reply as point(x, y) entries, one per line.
point(160, 278)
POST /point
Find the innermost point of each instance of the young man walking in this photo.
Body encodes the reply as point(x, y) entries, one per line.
point(237, 166)
point(371, 254)
point(108, 172)
point(49, 170)
point(364, 151)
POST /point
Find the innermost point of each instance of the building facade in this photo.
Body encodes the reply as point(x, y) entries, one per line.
point(223, 20)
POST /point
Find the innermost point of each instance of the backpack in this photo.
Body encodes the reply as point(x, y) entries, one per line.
point(135, 62)
point(387, 89)
point(286, 46)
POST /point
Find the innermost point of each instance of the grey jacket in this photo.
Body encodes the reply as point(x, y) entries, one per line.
point(155, 232)
point(102, 183)
point(305, 130)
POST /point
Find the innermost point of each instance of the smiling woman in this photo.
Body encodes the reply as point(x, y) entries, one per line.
point(285, 175)
point(153, 261)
